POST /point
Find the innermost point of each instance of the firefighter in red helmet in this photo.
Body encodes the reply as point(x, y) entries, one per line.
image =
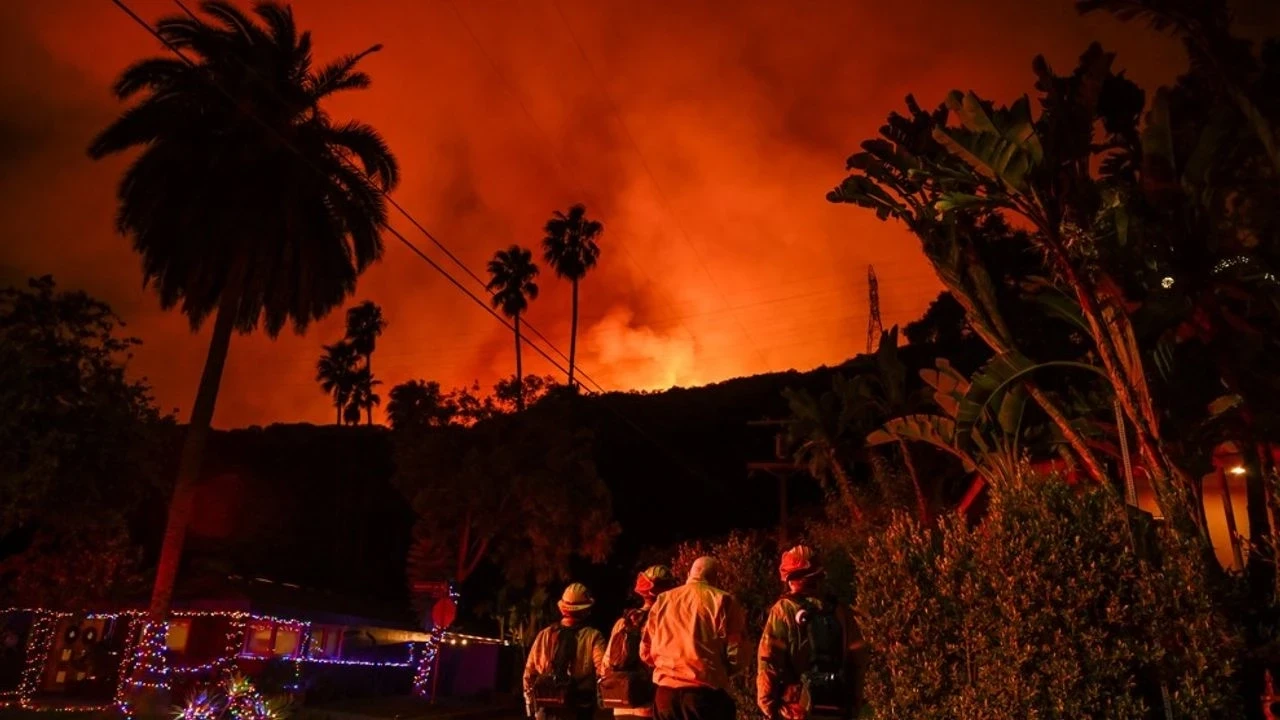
point(627, 687)
point(807, 660)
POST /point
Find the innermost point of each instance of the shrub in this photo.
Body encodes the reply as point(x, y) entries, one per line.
point(1048, 609)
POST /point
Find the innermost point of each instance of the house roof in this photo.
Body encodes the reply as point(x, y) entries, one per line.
point(262, 596)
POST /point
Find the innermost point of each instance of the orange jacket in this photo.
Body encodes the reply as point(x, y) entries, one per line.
point(692, 636)
point(784, 653)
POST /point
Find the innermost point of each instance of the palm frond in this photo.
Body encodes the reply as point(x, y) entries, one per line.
point(155, 74)
point(363, 141)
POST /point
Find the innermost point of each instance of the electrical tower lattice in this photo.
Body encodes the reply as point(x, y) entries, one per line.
point(874, 327)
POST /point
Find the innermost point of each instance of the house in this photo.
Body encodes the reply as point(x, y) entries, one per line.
point(289, 639)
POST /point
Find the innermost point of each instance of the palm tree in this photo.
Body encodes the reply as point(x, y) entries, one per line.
point(364, 326)
point(243, 202)
point(511, 280)
point(569, 246)
point(335, 371)
point(419, 403)
point(362, 398)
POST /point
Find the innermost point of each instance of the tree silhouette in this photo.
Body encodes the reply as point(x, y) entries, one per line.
point(364, 326)
point(419, 404)
point(335, 371)
point(569, 246)
point(511, 279)
point(362, 399)
point(242, 202)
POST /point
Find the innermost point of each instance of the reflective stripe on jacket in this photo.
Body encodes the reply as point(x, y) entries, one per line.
point(692, 637)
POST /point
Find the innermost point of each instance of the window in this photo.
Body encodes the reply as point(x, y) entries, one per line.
point(179, 634)
point(266, 639)
point(258, 639)
point(326, 642)
point(287, 641)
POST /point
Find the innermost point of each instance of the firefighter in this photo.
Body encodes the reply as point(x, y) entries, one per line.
point(628, 686)
point(565, 662)
point(809, 654)
point(691, 640)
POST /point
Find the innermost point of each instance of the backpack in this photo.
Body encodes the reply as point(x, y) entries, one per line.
point(628, 684)
point(556, 687)
point(825, 681)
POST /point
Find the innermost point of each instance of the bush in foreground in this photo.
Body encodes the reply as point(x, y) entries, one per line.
point(1060, 604)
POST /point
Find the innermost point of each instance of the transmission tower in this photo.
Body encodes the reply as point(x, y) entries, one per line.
point(874, 327)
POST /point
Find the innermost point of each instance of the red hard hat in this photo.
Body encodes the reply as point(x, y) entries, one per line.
point(799, 562)
point(654, 580)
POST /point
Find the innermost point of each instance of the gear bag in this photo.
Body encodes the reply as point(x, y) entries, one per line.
point(824, 683)
point(557, 688)
point(628, 684)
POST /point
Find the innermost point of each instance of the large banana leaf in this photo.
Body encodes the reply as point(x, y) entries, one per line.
point(994, 384)
point(987, 387)
point(935, 430)
point(1002, 145)
point(949, 385)
point(1056, 304)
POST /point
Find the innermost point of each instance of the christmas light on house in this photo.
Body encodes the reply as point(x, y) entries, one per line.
point(145, 658)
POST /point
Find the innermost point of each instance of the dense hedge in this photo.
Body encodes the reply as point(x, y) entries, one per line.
point(1060, 604)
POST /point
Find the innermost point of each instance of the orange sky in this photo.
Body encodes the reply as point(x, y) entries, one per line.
point(723, 126)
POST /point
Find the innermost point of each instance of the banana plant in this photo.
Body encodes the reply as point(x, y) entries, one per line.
point(907, 174)
point(1040, 169)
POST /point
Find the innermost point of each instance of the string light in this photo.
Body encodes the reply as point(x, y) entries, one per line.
point(144, 658)
point(149, 657)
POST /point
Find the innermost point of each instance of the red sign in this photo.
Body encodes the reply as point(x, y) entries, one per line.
point(431, 588)
point(443, 613)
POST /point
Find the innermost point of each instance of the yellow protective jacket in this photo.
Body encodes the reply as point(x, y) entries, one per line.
point(784, 654)
point(692, 637)
point(588, 661)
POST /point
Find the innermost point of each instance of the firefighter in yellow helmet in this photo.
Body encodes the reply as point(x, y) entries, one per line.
point(565, 662)
point(627, 688)
point(808, 659)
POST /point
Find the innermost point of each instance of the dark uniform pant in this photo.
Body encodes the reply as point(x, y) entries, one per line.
point(693, 704)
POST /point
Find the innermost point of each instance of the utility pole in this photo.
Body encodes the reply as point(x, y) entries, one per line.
point(781, 468)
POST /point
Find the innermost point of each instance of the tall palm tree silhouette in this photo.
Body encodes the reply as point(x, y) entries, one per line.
point(511, 279)
point(336, 373)
point(364, 326)
point(242, 202)
point(569, 246)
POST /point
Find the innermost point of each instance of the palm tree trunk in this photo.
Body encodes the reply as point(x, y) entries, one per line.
point(922, 505)
point(846, 488)
point(519, 366)
point(368, 366)
point(338, 405)
point(1069, 432)
point(184, 489)
point(573, 333)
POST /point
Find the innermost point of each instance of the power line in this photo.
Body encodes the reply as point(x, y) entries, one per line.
point(443, 248)
point(287, 144)
point(640, 430)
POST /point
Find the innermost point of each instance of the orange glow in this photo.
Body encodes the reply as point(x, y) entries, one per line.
point(720, 255)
